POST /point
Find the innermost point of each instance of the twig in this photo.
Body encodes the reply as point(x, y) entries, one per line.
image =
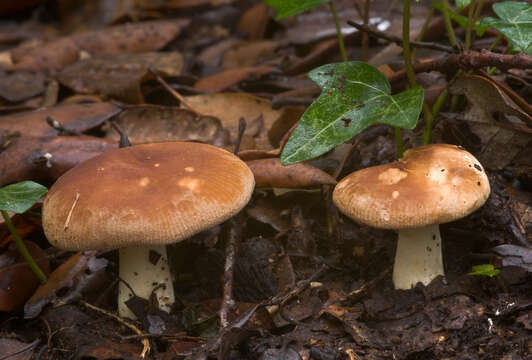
point(230, 253)
point(145, 342)
point(468, 60)
point(173, 92)
point(124, 139)
point(395, 39)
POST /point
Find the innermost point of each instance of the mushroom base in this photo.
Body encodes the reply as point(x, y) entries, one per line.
point(418, 257)
point(145, 269)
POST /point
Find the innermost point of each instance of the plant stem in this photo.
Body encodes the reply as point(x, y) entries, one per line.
point(469, 27)
point(22, 248)
point(428, 19)
point(338, 31)
point(399, 140)
point(448, 24)
point(365, 37)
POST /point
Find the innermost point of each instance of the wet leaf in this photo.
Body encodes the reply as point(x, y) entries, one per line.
point(119, 76)
point(75, 118)
point(515, 22)
point(228, 78)
point(12, 349)
point(75, 275)
point(17, 281)
point(21, 196)
point(287, 8)
point(145, 124)
point(354, 96)
point(269, 173)
point(20, 85)
point(44, 159)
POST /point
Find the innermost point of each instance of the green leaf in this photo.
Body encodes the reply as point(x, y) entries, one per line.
point(461, 4)
point(484, 270)
point(286, 8)
point(21, 196)
point(354, 96)
point(515, 23)
point(480, 28)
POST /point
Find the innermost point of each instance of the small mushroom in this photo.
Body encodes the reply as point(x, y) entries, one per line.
point(140, 198)
point(430, 185)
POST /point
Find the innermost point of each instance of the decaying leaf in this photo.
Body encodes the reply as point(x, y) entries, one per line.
point(20, 85)
point(75, 274)
point(129, 38)
point(244, 54)
point(502, 138)
point(75, 118)
point(12, 349)
point(514, 255)
point(230, 107)
point(228, 78)
point(44, 159)
point(145, 124)
point(17, 281)
point(119, 76)
point(269, 173)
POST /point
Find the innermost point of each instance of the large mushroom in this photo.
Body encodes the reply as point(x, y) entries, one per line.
point(140, 198)
point(430, 185)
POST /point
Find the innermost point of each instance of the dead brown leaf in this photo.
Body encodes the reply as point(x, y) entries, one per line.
point(269, 173)
point(502, 137)
point(248, 53)
point(129, 38)
point(119, 75)
point(73, 117)
point(17, 281)
point(145, 124)
point(74, 274)
point(254, 21)
point(228, 78)
point(20, 85)
point(12, 349)
point(44, 159)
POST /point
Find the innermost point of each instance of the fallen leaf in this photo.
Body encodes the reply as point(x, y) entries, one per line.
point(75, 274)
point(20, 85)
point(17, 280)
point(75, 118)
point(11, 349)
point(253, 21)
point(44, 159)
point(224, 80)
point(129, 38)
point(248, 53)
point(145, 124)
point(269, 173)
point(514, 255)
point(119, 76)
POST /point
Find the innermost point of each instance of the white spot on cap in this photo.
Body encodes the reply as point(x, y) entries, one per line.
point(144, 181)
point(385, 215)
point(156, 165)
point(395, 194)
point(189, 169)
point(392, 176)
point(191, 184)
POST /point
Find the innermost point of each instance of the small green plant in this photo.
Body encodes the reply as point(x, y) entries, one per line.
point(484, 270)
point(354, 96)
point(18, 198)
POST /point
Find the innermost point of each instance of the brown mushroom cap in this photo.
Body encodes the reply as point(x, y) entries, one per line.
point(431, 184)
point(146, 194)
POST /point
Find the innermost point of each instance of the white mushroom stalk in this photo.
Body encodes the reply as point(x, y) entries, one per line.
point(145, 269)
point(418, 257)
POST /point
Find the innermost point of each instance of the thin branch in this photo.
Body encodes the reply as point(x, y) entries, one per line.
point(395, 39)
point(230, 254)
point(174, 93)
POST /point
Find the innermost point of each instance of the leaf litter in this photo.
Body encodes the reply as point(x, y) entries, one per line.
point(308, 282)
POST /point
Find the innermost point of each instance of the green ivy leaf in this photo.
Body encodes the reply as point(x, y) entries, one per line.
point(515, 23)
point(484, 270)
point(480, 28)
point(287, 8)
point(354, 96)
point(462, 4)
point(21, 196)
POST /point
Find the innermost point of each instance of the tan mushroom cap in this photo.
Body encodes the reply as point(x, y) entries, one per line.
point(146, 194)
point(431, 184)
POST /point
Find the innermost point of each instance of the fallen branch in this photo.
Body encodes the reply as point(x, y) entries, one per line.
point(395, 39)
point(468, 61)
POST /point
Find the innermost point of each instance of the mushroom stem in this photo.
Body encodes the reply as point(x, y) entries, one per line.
point(418, 257)
point(144, 268)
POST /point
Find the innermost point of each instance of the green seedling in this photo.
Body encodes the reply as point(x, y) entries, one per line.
point(484, 270)
point(479, 28)
point(354, 96)
point(18, 198)
point(287, 8)
point(515, 22)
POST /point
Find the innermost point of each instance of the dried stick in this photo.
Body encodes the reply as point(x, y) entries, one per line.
point(174, 93)
point(467, 61)
point(396, 39)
